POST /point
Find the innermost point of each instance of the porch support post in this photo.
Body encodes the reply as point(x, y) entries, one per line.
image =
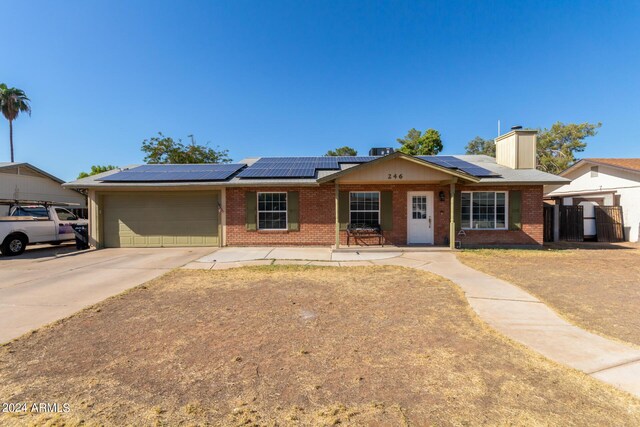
point(452, 222)
point(337, 187)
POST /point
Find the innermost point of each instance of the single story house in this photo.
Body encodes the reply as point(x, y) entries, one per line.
point(475, 200)
point(22, 181)
point(602, 182)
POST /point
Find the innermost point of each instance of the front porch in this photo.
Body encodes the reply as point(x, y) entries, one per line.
point(416, 216)
point(412, 202)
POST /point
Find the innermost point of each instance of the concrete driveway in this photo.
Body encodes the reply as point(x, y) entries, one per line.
point(45, 285)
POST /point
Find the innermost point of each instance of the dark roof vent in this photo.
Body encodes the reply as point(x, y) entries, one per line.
point(381, 151)
point(518, 127)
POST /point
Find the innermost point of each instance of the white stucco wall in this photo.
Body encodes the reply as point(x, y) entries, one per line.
point(630, 202)
point(609, 183)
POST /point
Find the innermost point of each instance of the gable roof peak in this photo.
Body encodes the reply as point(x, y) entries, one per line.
point(626, 163)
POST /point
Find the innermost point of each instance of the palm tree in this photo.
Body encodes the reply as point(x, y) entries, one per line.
point(13, 101)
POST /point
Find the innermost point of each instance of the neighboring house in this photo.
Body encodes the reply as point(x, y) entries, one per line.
point(602, 182)
point(477, 200)
point(22, 181)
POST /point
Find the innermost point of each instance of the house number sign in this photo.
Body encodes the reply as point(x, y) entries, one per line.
point(394, 176)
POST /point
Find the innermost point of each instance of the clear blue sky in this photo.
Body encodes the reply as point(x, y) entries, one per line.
point(301, 77)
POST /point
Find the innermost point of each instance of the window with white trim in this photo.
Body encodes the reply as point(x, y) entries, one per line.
point(364, 207)
point(272, 211)
point(484, 210)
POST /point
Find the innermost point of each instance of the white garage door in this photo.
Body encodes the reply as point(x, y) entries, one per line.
point(160, 219)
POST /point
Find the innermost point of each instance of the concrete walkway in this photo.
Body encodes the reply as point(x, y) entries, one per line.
point(227, 255)
point(506, 307)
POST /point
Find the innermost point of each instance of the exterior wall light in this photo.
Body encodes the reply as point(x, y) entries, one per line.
point(441, 195)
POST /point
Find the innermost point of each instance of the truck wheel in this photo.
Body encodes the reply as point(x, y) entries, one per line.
point(14, 244)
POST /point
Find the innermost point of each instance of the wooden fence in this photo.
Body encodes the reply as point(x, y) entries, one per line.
point(609, 224)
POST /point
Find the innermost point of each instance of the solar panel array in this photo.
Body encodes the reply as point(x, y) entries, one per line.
point(451, 162)
point(297, 167)
point(270, 167)
point(171, 173)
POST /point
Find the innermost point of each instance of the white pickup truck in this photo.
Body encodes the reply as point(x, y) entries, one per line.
point(26, 225)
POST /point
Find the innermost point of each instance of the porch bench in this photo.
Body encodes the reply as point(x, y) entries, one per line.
point(356, 230)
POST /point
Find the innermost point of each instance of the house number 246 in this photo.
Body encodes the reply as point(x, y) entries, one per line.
point(394, 176)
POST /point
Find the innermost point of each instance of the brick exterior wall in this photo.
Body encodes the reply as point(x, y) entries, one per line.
point(532, 221)
point(317, 217)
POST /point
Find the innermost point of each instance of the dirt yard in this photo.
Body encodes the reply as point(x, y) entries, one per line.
point(295, 346)
point(597, 289)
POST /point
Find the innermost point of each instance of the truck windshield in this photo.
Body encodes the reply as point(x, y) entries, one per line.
point(36, 211)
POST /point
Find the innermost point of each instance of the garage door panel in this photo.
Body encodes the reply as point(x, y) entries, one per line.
point(138, 240)
point(161, 219)
point(154, 241)
point(184, 240)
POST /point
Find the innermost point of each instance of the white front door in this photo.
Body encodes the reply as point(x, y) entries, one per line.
point(419, 217)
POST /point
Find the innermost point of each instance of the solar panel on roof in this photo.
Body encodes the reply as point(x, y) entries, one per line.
point(270, 167)
point(172, 173)
point(307, 167)
point(452, 162)
point(297, 167)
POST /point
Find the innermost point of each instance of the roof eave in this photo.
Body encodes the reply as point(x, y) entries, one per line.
point(594, 162)
point(525, 182)
point(192, 184)
point(29, 165)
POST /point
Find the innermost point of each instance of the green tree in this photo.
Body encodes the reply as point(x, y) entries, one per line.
point(480, 145)
point(557, 146)
point(95, 170)
point(342, 151)
point(417, 143)
point(13, 101)
point(164, 149)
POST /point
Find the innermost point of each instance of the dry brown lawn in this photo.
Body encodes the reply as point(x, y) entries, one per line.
point(295, 346)
point(597, 289)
